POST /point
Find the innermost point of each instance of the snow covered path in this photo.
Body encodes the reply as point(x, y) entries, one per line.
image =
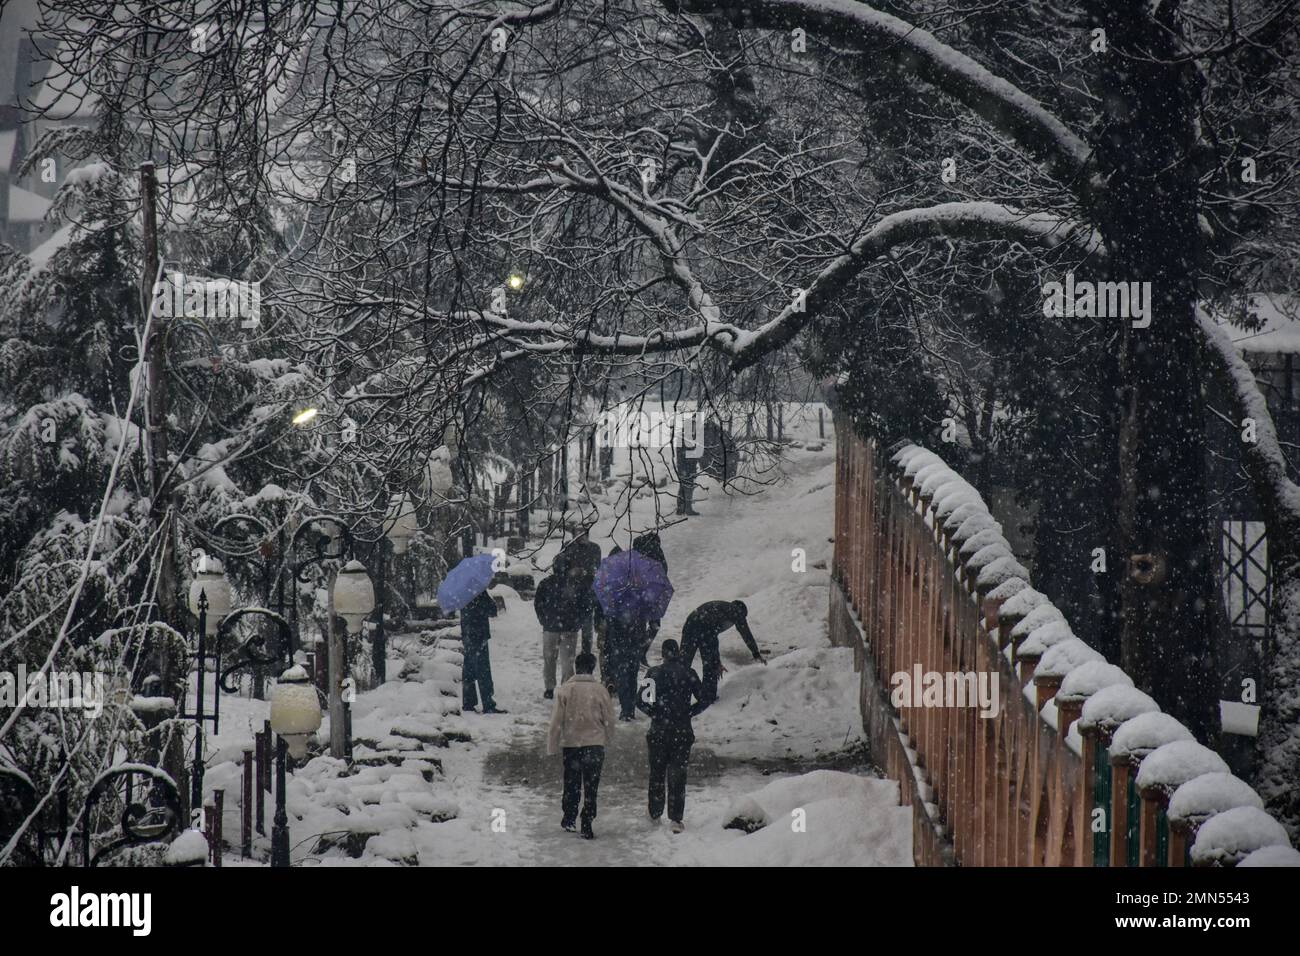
point(770, 723)
point(786, 736)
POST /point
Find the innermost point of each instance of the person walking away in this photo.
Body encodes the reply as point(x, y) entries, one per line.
point(649, 545)
point(700, 633)
point(626, 641)
point(601, 623)
point(580, 560)
point(672, 695)
point(557, 612)
point(476, 672)
point(582, 726)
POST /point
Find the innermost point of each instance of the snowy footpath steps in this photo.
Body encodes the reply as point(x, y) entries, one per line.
point(371, 810)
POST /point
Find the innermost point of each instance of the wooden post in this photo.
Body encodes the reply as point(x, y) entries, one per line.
point(246, 808)
point(1120, 774)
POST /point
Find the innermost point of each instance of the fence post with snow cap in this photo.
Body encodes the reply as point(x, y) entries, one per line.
point(926, 586)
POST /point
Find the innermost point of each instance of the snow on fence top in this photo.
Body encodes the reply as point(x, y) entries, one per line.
point(1225, 812)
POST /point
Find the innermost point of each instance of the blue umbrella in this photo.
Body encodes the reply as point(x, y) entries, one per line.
point(466, 581)
point(632, 587)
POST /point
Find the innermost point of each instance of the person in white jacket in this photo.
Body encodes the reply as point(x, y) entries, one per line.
point(582, 725)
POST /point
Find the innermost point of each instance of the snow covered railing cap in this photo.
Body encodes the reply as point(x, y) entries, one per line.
point(1007, 590)
point(997, 573)
point(1042, 638)
point(1088, 679)
point(1142, 734)
point(1062, 658)
point(1271, 856)
point(1110, 707)
point(1199, 798)
point(1014, 608)
point(1227, 838)
point(1171, 765)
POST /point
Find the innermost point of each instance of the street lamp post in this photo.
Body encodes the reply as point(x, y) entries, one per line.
point(210, 602)
point(295, 716)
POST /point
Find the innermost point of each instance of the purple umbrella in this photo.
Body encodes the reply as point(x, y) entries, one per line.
point(632, 587)
point(465, 582)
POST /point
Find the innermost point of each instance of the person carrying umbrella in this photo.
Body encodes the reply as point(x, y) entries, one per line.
point(476, 672)
point(701, 631)
point(633, 592)
point(465, 590)
point(672, 696)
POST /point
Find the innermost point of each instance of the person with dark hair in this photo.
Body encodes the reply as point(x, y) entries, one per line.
point(671, 694)
point(650, 546)
point(560, 603)
point(476, 671)
point(578, 561)
point(603, 641)
point(582, 726)
point(700, 633)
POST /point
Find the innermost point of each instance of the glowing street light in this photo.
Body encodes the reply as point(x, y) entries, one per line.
point(306, 415)
point(515, 281)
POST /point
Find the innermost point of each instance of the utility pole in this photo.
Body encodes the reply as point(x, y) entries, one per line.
point(172, 682)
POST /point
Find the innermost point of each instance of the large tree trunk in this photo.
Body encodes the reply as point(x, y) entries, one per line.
point(1149, 219)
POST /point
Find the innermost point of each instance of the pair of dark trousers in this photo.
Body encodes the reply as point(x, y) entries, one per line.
point(476, 675)
point(669, 750)
point(625, 675)
point(582, 767)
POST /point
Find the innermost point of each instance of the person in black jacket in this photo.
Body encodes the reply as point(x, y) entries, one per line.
point(579, 561)
point(476, 672)
point(649, 545)
point(561, 602)
point(671, 694)
point(701, 631)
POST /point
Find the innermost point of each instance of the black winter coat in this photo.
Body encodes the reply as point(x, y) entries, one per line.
point(474, 616)
point(678, 696)
point(560, 606)
point(705, 623)
point(579, 554)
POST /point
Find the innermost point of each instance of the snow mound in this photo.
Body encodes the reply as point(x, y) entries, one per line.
point(1144, 733)
point(1111, 706)
point(1271, 856)
point(1009, 589)
point(797, 702)
point(745, 814)
point(1170, 766)
point(976, 523)
point(189, 848)
point(1021, 603)
point(1202, 797)
point(980, 539)
point(823, 818)
point(1036, 618)
point(1089, 678)
point(1227, 837)
point(1045, 636)
point(999, 571)
point(963, 513)
point(936, 479)
point(1060, 659)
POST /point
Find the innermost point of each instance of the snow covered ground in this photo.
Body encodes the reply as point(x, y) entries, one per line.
point(785, 737)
